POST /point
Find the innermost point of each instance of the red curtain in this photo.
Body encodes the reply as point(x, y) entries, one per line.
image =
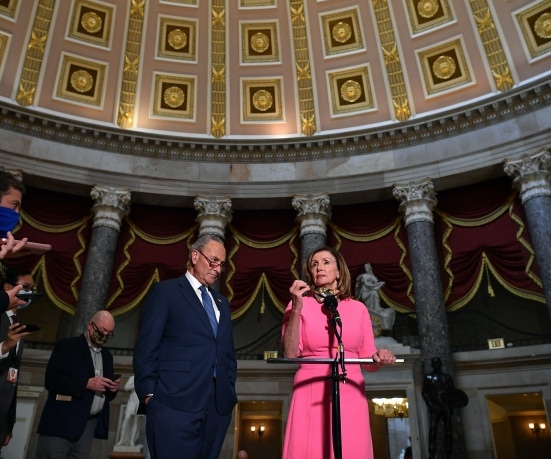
point(479, 230)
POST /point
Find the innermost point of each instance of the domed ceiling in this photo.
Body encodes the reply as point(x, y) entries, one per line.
point(205, 94)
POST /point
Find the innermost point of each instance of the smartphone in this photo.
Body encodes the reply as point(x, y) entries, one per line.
point(24, 295)
point(116, 376)
point(31, 327)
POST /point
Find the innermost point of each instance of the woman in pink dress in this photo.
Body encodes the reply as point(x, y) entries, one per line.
point(308, 333)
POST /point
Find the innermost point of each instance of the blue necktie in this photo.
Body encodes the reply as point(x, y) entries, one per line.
point(207, 303)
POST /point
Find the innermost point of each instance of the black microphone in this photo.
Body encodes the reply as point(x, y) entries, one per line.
point(331, 303)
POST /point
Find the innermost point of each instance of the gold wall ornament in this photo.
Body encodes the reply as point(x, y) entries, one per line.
point(393, 66)
point(350, 91)
point(174, 96)
point(401, 109)
point(219, 17)
point(177, 38)
point(491, 40)
point(218, 85)
point(129, 77)
point(91, 22)
point(342, 32)
point(4, 40)
point(534, 22)
point(301, 48)
point(35, 52)
point(262, 100)
point(8, 8)
point(255, 3)
point(444, 67)
point(259, 42)
point(428, 14)
point(81, 80)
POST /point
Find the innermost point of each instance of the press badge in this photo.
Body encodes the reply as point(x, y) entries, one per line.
point(12, 375)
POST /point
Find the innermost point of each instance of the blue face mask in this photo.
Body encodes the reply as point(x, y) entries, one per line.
point(9, 219)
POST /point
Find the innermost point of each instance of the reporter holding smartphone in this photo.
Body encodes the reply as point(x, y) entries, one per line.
point(11, 335)
point(81, 382)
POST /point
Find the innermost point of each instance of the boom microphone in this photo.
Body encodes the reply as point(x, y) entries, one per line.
point(331, 303)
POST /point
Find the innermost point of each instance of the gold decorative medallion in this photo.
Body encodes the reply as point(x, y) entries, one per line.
point(81, 81)
point(427, 14)
point(174, 97)
point(444, 67)
point(91, 22)
point(427, 8)
point(259, 42)
point(177, 39)
point(8, 8)
point(535, 24)
point(342, 32)
point(262, 100)
point(350, 91)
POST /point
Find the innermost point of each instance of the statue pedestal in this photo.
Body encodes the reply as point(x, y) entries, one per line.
point(125, 455)
point(127, 452)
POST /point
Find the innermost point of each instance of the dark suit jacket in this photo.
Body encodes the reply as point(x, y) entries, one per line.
point(69, 368)
point(176, 350)
point(8, 390)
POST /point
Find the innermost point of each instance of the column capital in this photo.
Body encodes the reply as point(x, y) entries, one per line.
point(417, 200)
point(530, 174)
point(313, 212)
point(111, 205)
point(214, 213)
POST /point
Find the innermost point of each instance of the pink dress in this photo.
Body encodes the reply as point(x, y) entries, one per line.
point(308, 432)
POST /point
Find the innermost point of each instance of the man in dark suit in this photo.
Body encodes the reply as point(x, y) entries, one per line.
point(11, 350)
point(184, 362)
point(80, 383)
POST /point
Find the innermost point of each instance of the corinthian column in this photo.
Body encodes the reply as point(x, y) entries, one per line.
point(531, 177)
point(417, 201)
point(313, 214)
point(110, 207)
point(213, 215)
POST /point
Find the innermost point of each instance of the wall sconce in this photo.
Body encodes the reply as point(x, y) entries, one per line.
point(259, 431)
point(537, 427)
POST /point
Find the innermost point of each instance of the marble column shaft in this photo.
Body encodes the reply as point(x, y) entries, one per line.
point(313, 214)
point(417, 203)
point(531, 178)
point(111, 206)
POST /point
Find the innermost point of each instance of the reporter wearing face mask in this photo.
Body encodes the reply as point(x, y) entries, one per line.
point(11, 195)
point(80, 383)
point(11, 352)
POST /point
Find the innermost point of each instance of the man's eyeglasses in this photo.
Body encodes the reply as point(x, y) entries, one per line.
point(214, 264)
point(103, 331)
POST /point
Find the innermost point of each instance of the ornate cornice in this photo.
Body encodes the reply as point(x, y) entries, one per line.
point(464, 119)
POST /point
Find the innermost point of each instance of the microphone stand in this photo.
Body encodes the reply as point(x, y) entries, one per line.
point(336, 377)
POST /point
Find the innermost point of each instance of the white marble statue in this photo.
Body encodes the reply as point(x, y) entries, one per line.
point(367, 291)
point(130, 428)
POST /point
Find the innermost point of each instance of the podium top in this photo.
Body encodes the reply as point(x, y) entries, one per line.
point(319, 360)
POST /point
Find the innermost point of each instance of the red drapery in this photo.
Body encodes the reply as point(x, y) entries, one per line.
point(478, 229)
